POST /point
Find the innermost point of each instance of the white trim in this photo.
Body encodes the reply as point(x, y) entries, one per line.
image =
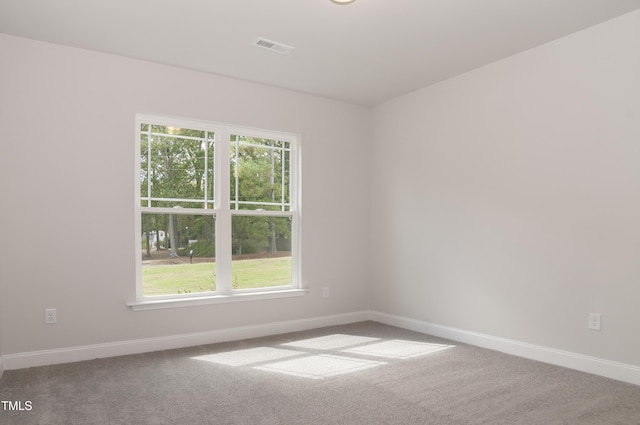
point(610, 369)
point(149, 303)
point(120, 348)
point(177, 210)
point(263, 213)
point(261, 133)
point(224, 256)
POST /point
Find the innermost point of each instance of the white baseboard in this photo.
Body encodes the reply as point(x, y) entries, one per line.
point(593, 365)
point(89, 352)
point(596, 366)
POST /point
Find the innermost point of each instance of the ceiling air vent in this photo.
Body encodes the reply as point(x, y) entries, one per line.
point(273, 46)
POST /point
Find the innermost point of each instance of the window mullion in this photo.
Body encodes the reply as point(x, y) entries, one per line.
point(295, 205)
point(223, 214)
point(235, 163)
point(205, 145)
point(283, 163)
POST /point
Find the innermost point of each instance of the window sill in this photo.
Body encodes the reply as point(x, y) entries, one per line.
point(214, 299)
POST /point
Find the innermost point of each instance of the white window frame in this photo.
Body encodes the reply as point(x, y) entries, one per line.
point(223, 216)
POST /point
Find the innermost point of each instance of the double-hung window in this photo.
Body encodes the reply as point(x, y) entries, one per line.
point(217, 210)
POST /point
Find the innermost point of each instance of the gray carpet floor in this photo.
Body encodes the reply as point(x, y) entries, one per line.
point(323, 376)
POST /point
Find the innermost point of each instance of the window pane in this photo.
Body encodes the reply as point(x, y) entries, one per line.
point(177, 131)
point(144, 169)
point(261, 251)
point(184, 266)
point(260, 174)
point(176, 167)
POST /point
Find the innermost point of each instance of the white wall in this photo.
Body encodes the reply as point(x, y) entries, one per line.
point(506, 200)
point(1, 352)
point(67, 158)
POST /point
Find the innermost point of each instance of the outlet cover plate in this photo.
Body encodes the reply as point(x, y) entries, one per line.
point(50, 316)
point(595, 321)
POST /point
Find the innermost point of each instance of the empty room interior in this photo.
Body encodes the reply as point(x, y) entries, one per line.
point(384, 187)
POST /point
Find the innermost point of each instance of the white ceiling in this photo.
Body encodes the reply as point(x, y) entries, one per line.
point(363, 53)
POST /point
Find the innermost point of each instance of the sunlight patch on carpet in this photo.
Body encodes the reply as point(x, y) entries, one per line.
point(331, 342)
point(398, 349)
point(320, 366)
point(248, 356)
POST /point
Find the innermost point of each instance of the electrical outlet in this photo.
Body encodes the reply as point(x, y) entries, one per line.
point(595, 320)
point(50, 316)
point(325, 292)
